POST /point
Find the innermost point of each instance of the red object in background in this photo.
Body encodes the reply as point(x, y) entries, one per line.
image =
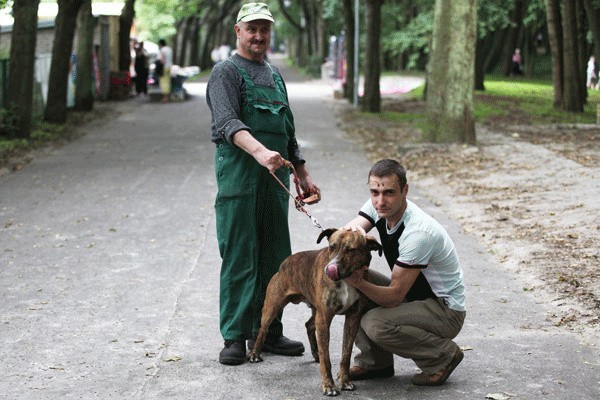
point(120, 78)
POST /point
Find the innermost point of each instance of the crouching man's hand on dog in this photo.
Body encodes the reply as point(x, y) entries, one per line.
point(357, 278)
point(360, 224)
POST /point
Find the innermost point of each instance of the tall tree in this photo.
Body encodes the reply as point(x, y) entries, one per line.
point(19, 91)
point(564, 45)
point(514, 34)
point(64, 32)
point(553, 15)
point(349, 27)
point(84, 90)
point(450, 72)
point(573, 99)
point(372, 94)
point(125, 21)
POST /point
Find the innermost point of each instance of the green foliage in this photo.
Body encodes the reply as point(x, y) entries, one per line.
point(414, 38)
point(9, 145)
point(155, 19)
point(536, 14)
point(493, 15)
point(45, 131)
point(42, 134)
point(8, 127)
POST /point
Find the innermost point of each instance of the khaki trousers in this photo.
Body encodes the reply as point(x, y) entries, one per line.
point(419, 330)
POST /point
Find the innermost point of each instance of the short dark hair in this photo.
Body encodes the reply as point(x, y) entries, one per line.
point(389, 167)
point(162, 42)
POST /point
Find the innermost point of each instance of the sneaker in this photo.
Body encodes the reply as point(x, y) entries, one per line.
point(281, 345)
point(362, 374)
point(234, 352)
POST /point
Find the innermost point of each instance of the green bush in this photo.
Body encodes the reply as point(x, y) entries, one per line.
point(8, 123)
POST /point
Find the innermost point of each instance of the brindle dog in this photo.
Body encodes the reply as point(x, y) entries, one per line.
point(316, 278)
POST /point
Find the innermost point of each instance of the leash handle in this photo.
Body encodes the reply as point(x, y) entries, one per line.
point(299, 200)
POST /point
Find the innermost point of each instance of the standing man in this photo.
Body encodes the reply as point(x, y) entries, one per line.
point(422, 307)
point(253, 129)
point(166, 58)
point(141, 69)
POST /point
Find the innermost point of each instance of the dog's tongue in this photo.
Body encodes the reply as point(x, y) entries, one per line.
point(331, 271)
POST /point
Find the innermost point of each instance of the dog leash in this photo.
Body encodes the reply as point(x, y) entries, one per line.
point(298, 200)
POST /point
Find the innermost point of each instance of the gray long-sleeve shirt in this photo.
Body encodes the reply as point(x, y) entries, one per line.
point(226, 94)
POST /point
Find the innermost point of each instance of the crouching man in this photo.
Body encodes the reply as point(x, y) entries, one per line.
point(422, 305)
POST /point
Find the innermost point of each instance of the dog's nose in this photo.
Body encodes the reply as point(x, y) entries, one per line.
point(331, 270)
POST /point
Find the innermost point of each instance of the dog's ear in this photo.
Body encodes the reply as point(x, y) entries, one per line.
point(326, 233)
point(373, 245)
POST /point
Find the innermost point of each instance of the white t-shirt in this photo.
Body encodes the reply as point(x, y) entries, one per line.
point(424, 244)
point(166, 56)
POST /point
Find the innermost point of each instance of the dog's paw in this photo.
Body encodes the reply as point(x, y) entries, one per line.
point(330, 390)
point(255, 358)
point(347, 385)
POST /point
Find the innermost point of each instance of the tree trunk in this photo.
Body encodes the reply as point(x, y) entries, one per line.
point(450, 76)
point(19, 91)
point(553, 16)
point(125, 21)
point(179, 27)
point(581, 49)
point(479, 63)
point(85, 87)
point(493, 56)
point(371, 101)
point(64, 31)
point(572, 96)
point(348, 10)
point(512, 40)
point(195, 42)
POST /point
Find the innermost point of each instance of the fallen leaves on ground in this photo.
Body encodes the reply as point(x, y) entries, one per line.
point(531, 188)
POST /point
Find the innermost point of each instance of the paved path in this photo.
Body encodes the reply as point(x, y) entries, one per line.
point(109, 274)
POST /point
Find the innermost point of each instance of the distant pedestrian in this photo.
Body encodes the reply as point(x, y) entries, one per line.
point(141, 69)
point(592, 78)
point(166, 58)
point(516, 63)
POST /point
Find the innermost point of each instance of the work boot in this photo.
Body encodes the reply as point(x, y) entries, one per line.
point(280, 345)
point(234, 352)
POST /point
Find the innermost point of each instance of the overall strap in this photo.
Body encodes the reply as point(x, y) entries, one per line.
point(243, 73)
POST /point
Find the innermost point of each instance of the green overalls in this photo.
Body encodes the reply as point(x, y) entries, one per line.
point(252, 212)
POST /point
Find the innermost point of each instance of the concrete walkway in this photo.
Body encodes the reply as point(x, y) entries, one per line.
point(109, 274)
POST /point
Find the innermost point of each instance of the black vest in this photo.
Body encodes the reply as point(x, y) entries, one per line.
point(420, 290)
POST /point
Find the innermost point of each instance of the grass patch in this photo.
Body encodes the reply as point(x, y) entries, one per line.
point(527, 101)
point(42, 134)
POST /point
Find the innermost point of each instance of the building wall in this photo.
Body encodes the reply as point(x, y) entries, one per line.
point(45, 40)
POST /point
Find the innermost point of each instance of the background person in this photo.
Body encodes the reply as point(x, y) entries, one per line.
point(166, 58)
point(517, 63)
point(141, 69)
point(592, 79)
point(253, 129)
point(422, 306)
